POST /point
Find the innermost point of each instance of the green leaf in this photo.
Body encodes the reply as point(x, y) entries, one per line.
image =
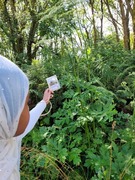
point(63, 153)
point(74, 155)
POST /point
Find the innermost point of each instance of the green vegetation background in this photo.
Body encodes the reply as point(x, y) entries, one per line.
point(90, 132)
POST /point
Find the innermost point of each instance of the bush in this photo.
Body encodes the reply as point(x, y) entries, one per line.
point(90, 131)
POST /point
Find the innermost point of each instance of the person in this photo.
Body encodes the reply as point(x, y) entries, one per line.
point(15, 119)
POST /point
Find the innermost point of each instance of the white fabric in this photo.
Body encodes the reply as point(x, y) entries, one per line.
point(14, 87)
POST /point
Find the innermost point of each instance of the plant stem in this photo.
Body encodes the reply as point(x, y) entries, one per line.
point(87, 134)
point(125, 169)
point(110, 167)
point(111, 151)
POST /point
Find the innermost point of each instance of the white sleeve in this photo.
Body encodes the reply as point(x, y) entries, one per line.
point(34, 116)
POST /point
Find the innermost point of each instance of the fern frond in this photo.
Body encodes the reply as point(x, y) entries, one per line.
point(123, 75)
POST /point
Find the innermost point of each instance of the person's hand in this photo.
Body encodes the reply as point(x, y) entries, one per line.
point(48, 94)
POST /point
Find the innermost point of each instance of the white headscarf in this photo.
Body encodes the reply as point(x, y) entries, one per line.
point(14, 87)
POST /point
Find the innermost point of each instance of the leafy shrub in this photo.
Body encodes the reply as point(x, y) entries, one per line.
point(75, 123)
point(90, 132)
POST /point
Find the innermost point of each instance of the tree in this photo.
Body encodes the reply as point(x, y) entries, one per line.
point(19, 24)
point(118, 12)
point(113, 19)
point(131, 7)
point(102, 16)
point(20, 35)
point(91, 3)
point(125, 23)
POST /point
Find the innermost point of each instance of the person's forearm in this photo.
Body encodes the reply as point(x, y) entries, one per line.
point(34, 116)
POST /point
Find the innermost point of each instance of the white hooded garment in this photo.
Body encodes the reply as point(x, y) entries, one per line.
point(14, 88)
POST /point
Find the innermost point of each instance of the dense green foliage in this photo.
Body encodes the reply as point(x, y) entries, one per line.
point(90, 131)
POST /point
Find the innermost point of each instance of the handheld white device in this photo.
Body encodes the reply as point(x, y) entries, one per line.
point(53, 83)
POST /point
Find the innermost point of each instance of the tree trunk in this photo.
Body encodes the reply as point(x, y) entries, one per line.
point(31, 54)
point(132, 12)
point(114, 22)
point(102, 12)
point(125, 23)
point(133, 20)
point(91, 2)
